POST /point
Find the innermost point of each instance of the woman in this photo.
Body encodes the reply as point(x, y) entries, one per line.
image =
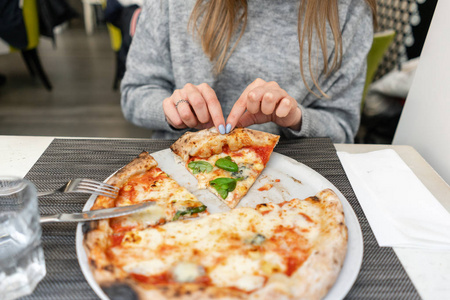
point(243, 60)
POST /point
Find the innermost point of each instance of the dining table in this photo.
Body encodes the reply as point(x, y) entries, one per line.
point(48, 162)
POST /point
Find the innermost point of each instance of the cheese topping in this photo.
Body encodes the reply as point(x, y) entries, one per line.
point(238, 271)
point(153, 185)
point(238, 249)
point(187, 272)
point(150, 267)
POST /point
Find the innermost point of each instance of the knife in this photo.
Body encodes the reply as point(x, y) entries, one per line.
point(96, 214)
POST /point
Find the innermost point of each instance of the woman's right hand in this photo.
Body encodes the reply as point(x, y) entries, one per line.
point(194, 106)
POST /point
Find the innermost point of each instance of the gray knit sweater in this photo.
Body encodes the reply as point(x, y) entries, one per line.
point(164, 56)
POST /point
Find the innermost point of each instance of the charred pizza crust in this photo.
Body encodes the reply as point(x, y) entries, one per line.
point(139, 165)
point(208, 142)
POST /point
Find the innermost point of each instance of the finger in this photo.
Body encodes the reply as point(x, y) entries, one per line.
point(236, 113)
point(205, 126)
point(254, 102)
point(184, 109)
point(240, 106)
point(248, 119)
point(270, 99)
point(284, 107)
point(172, 116)
point(256, 94)
point(197, 103)
point(214, 107)
point(186, 114)
point(292, 120)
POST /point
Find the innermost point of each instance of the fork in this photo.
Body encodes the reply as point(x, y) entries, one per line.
point(83, 185)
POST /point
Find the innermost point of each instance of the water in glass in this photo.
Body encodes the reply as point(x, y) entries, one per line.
point(22, 263)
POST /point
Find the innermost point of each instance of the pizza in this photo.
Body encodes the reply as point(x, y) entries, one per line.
point(290, 250)
point(139, 181)
point(177, 249)
point(226, 164)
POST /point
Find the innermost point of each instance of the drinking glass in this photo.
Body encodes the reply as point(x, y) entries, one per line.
point(22, 263)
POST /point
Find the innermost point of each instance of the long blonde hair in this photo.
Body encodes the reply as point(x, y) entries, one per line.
point(216, 22)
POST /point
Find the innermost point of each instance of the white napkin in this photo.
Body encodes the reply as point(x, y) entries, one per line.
point(400, 209)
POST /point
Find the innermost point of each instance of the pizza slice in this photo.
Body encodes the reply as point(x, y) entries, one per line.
point(226, 164)
point(141, 181)
point(290, 250)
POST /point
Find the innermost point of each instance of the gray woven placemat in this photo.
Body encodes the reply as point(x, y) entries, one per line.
point(381, 275)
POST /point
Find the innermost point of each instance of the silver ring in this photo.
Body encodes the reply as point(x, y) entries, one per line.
point(181, 101)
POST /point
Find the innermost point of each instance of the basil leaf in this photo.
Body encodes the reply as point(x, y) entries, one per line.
point(200, 166)
point(190, 211)
point(222, 192)
point(227, 164)
point(224, 185)
point(222, 181)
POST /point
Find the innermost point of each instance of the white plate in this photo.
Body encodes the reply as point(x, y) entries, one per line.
point(296, 180)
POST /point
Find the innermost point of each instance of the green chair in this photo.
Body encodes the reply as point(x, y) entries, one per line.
point(381, 42)
point(30, 54)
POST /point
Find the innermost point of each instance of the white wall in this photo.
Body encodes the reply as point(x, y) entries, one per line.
point(425, 120)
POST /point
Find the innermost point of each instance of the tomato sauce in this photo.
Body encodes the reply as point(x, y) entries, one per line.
point(307, 218)
point(238, 154)
point(226, 149)
point(293, 263)
point(265, 187)
point(147, 180)
point(162, 278)
point(116, 239)
point(117, 228)
point(203, 280)
point(165, 278)
point(286, 243)
point(263, 153)
point(283, 203)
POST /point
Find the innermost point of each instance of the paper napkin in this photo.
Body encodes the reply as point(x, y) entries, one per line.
point(400, 209)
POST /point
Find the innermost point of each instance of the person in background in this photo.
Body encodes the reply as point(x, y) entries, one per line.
point(12, 27)
point(124, 14)
point(291, 67)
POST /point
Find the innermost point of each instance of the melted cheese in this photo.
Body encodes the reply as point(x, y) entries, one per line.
point(148, 268)
point(187, 271)
point(238, 271)
point(154, 185)
point(239, 248)
point(149, 216)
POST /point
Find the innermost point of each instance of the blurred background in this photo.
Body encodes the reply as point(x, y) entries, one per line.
point(64, 81)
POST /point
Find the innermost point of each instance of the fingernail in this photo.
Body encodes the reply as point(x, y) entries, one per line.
point(228, 128)
point(221, 129)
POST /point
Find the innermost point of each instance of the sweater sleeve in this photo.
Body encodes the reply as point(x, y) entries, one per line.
point(149, 78)
point(338, 117)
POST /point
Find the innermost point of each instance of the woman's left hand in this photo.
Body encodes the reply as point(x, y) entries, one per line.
point(263, 102)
